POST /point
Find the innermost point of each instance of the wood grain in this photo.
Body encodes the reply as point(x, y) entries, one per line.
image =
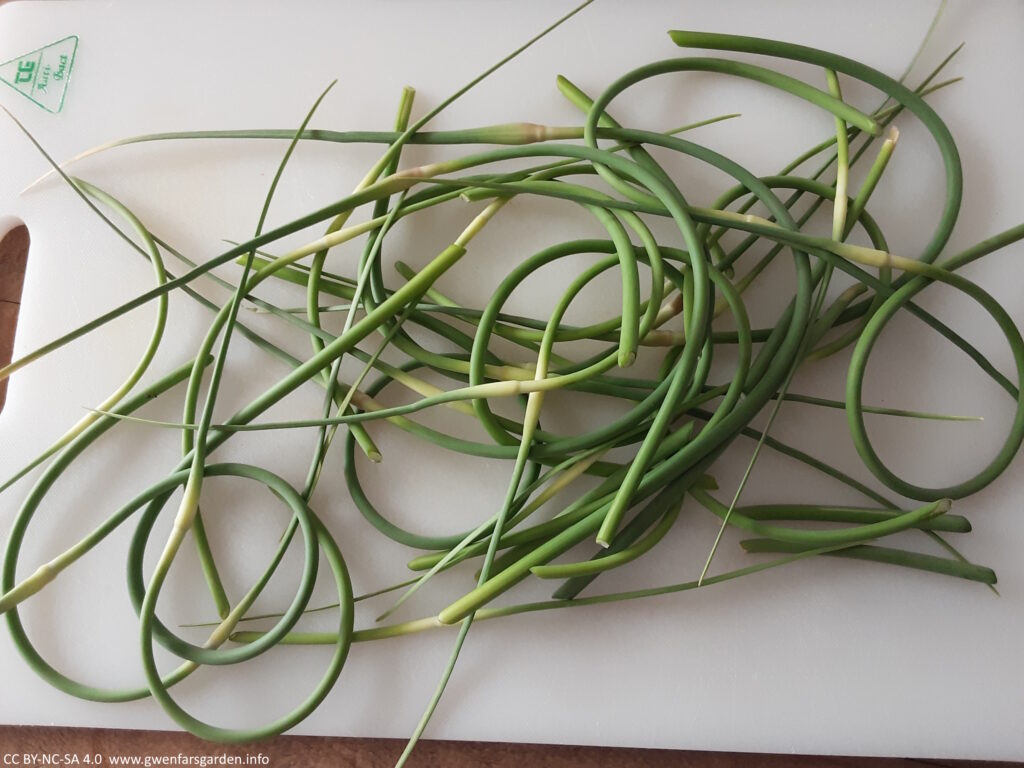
point(322, 752)
point(13, 255)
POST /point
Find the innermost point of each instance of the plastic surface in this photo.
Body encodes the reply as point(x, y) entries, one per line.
point(826, 656)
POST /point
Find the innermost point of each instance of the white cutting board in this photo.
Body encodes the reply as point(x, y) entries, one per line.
point(821, 657)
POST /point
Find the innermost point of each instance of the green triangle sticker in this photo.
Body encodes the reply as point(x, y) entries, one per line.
point(42, 75)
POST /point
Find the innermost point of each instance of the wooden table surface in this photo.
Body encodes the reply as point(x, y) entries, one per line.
point(321, 752)
point(314, 752)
